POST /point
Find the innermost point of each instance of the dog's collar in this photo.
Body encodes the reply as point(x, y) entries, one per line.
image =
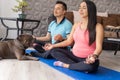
point(17, 42)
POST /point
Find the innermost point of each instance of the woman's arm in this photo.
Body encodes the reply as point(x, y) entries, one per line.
point(99, 39)
point(67, 42)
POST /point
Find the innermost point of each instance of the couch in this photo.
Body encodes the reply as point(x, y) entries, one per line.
point(111, 23)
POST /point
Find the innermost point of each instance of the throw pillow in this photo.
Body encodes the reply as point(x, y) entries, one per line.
point(102, 14)
point(99, 19)
point(77, 17)
point(69, 16)
point(111, 20)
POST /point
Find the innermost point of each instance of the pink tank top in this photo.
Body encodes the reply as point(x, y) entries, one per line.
point(81, 46)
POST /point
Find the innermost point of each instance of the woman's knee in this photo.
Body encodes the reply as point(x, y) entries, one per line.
point(93, 67)
point(83, 67)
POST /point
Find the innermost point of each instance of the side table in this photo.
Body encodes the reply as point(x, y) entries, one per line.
point(17, 20)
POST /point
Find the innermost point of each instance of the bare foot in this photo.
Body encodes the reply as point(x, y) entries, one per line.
point(61, 64)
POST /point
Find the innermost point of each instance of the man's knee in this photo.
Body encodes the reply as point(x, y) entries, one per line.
point(54, 51)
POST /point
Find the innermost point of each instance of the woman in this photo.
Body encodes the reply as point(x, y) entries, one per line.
point(87, 36)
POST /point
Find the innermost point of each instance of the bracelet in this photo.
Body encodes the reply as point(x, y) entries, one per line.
point(95, 55)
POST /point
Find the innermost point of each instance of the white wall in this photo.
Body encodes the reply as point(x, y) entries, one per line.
point(6, 11)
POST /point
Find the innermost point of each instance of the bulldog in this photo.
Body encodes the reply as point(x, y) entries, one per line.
point(15, 49)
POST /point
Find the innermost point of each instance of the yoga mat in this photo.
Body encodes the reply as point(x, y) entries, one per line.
point(102, 73)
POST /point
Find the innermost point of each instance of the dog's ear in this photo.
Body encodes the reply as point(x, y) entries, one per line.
point(20, 37)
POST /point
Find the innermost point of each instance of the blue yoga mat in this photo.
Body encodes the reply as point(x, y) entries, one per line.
point(102, 74)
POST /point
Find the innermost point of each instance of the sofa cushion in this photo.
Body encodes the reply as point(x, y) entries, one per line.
point(102, 14)
point(99, 19)
point(118, 20)
point(69, 16)
point(110, 20)
point(110, 34)
point(77, 17)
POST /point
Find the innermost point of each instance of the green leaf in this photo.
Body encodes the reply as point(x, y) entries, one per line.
point(22, 6)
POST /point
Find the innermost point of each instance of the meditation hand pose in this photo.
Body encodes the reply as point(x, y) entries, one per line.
point(87, 36)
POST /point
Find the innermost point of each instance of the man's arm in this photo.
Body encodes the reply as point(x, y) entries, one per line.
point(45, 38)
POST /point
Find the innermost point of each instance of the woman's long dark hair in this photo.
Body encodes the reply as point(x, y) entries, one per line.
point(92, 20)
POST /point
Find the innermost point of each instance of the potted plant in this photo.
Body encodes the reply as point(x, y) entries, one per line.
point(21, 7)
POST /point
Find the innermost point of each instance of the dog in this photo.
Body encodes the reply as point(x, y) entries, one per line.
point(15, 49)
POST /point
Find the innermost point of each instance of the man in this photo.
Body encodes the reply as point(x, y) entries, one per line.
point(58, 30)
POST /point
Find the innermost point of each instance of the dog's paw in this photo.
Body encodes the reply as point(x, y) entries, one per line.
point(36, 59)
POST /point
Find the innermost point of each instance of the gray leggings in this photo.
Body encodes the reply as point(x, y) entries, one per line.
point(76, 63)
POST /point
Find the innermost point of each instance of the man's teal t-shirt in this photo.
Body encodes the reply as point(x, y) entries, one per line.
point(63, 28)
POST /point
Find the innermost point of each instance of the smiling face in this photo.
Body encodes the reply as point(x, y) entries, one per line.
point(83, 10)
point(59, 10)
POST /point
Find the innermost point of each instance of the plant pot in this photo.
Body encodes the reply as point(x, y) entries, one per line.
point(22, 16)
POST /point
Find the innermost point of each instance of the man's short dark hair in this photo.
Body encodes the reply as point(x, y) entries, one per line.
point(64, 4)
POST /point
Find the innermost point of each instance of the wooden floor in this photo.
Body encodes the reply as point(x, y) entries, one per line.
point(109, 60)
point(36, 70)
point(28, 70)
